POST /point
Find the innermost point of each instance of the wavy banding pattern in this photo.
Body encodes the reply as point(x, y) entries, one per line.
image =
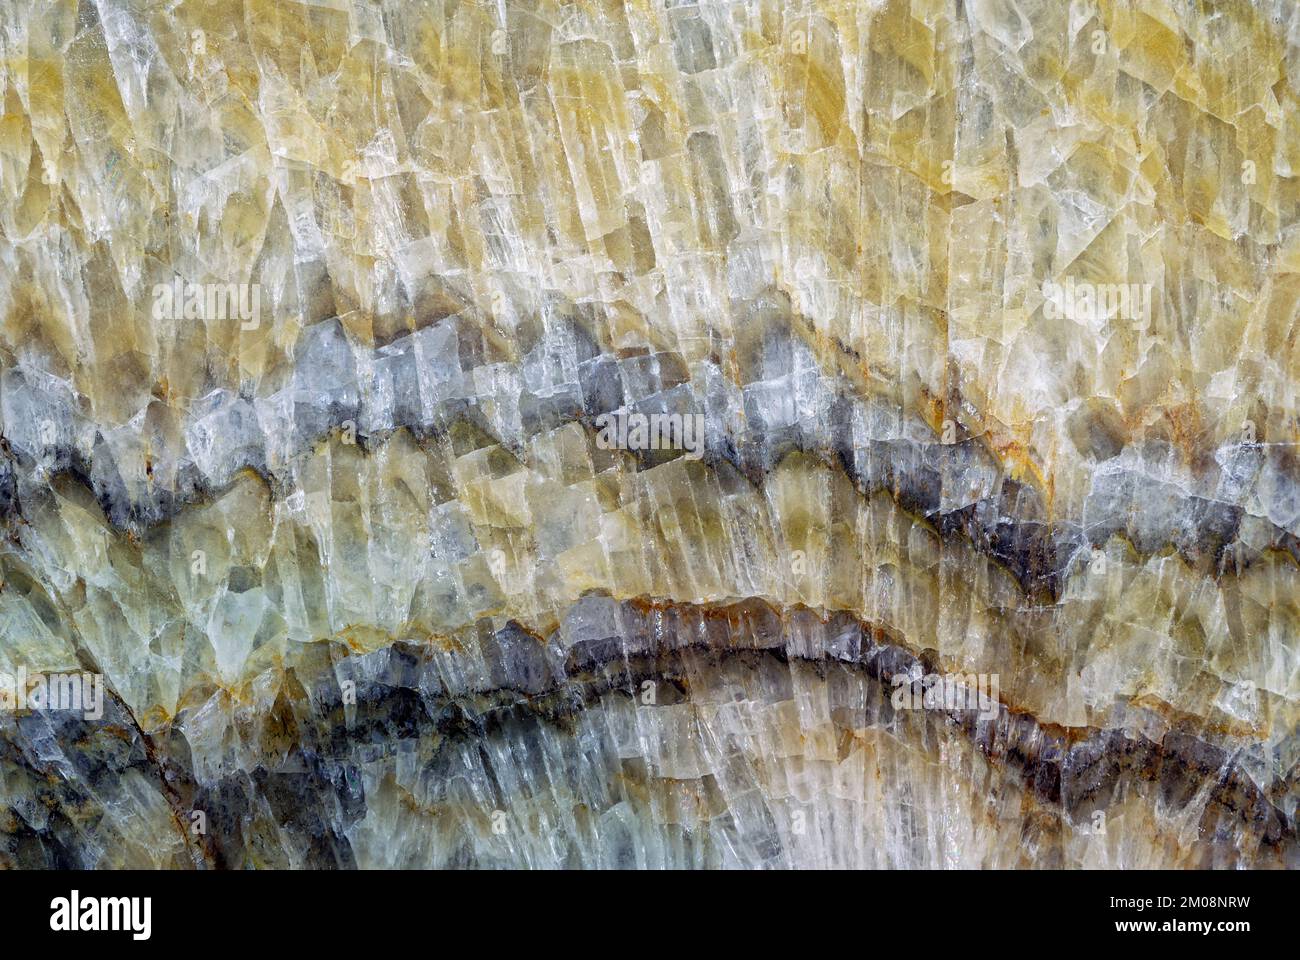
point(989, 310)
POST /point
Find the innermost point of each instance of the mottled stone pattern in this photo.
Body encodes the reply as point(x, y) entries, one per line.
point(990, 310)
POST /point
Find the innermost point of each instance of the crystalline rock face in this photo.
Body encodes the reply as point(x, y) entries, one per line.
point(614, 434)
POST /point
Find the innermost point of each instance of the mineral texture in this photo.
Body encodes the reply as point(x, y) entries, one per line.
point(745, 433)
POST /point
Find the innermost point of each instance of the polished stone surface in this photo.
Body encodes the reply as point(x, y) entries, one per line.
point(313, 318)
